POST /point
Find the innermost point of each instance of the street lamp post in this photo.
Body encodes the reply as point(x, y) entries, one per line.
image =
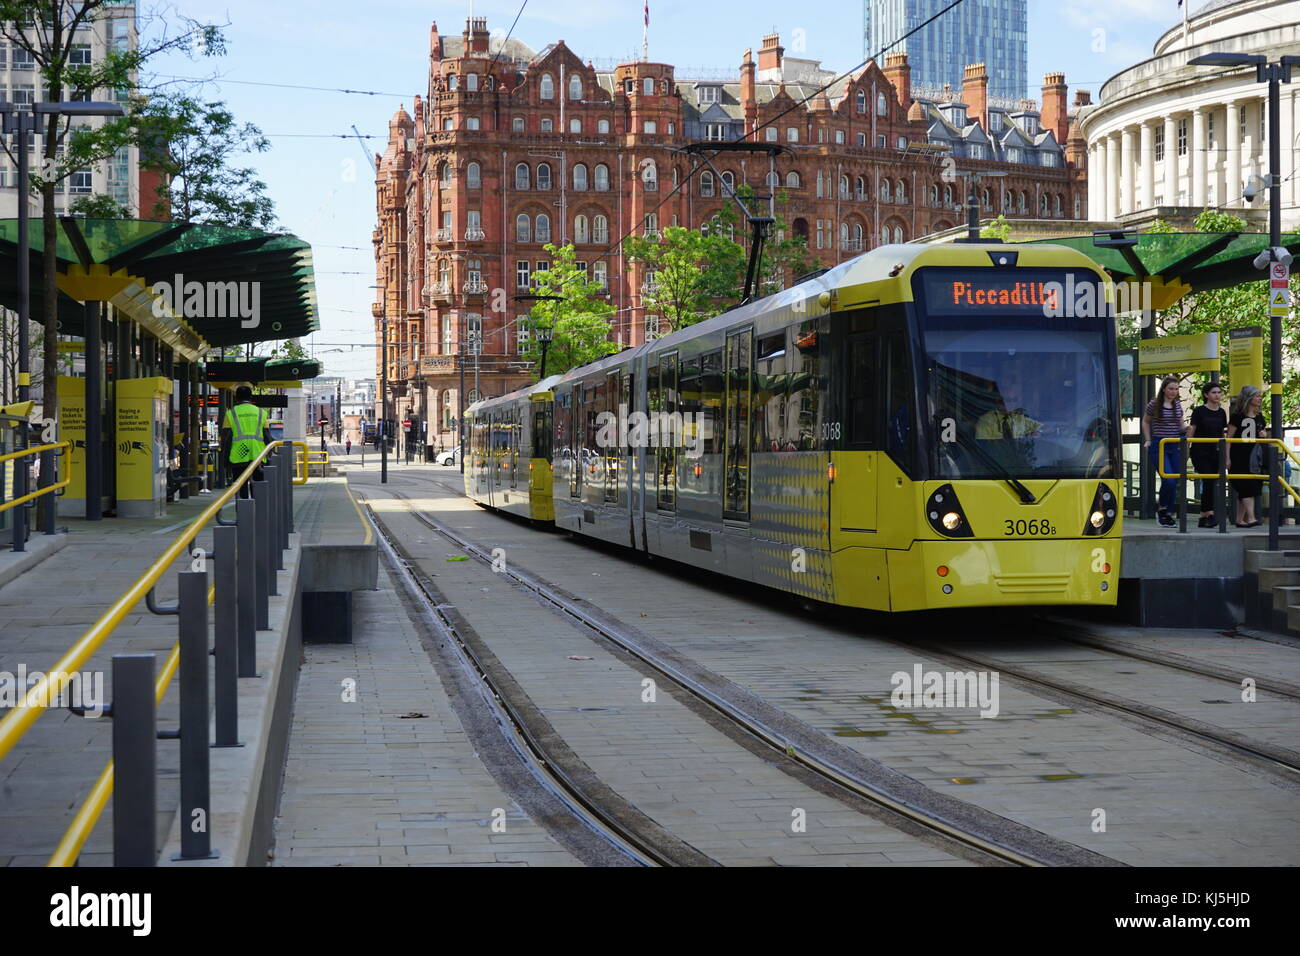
point(544, 333)
point(1274, 74)
point(20, 122)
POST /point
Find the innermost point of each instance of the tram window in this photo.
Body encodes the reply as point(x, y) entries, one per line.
point(611, 451)
point(860, 377)
point(711, 401)
point(668, 431)
point(803, 392)
point(899, 400)
point(770, 395)
point(542, 430)
point(626, 406)
point(691, 404)
point(736, 467)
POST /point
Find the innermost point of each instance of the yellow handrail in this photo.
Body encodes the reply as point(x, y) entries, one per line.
point(301, 464)
point(18, 721)
point(36, 450)
point(1160, 460)
point(83, 824)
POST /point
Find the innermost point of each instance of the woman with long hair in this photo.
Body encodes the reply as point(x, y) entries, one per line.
point(1163, 418)
point(1209, 420)
point(1247, 422)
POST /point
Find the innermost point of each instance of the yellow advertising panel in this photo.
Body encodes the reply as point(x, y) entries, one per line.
point(1179, 353)
point(72, 348)
point(142, 424)
point(1245, 357)
point(72, 428)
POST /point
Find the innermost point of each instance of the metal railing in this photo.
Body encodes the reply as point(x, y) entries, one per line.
point(247, 553)
point(1223, 475)
point(34, 450)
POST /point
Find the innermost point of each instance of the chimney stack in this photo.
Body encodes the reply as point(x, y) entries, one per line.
point(1082, 98)
point(975, 93)
point(899, 74)
point(771, 52)
point(748, 101)
point(476, 35)
point(1055, 116)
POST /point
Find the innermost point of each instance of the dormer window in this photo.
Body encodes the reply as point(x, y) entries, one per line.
point(708, 94)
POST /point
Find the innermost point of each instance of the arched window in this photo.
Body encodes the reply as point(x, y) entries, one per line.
point(773, 178)
point(1060, 205)
point(575, 125)
point(821, 184)
point(523, 229)
point(547, 91)
point(882, 105)
point(947, 195)
point(650, 176)
point(648, 86)
point(844, 187)
point(575, 87)
point(860, 188)
point(453, 81)
point(581, 234)
point(706, 183)
point(522, 176)
point(728, 182)
point(542, 229)
point(447, 409)
point(857, 236)
point(884, 235)
point(1024, 201)
point(792, 180)
point(934, 195)
point(471, 81)
point(1077, 207)
point(677, 176)
point(862, 101)
point(885, 191)
point(844, 235)
point(986, 199)
point(473, 174)
point(580, 177)
point(444, 174)
point(900, 192)
point(898, 234)
point(599, 229)
point(602, 126)
point(543, 175)
point(1042, 205)
point(517, 124)
point(602, 177)
point(1006, 200)
point(664, 88)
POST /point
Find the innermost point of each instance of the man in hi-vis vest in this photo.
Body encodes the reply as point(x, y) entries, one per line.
point(244, 433)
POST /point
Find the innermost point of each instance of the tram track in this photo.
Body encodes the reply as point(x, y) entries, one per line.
point(978, 833)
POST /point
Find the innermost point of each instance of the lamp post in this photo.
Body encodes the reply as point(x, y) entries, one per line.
point(20, 122)
point(1274, 74)
point(544, 333)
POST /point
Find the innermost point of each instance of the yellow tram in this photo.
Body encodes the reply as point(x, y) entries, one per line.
point(924, 426)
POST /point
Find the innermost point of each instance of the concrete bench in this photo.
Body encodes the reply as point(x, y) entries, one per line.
point(339, 556)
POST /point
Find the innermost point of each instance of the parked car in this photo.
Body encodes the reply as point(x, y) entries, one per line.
point(448, 457)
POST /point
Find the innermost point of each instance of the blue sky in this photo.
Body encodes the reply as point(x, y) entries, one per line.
point(322, 184)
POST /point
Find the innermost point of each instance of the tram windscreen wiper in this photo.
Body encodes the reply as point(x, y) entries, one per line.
point(973, 444)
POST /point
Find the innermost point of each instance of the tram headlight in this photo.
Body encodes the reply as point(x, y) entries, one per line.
point(1101, 517)
point(944, 513)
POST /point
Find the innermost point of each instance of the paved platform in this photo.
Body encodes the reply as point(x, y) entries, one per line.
point(45, 610)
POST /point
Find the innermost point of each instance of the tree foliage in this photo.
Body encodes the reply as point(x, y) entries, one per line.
point(998, 229)
point(579, 320)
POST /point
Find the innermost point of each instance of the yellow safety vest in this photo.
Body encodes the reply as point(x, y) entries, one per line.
point(246, 423)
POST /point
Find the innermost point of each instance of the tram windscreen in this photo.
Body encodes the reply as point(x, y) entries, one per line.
point(1018, 391)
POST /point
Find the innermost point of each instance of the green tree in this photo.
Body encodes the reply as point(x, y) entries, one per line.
point(46, 33)
point(194, 144)
point(98, 207)
point(1218, 310)
point(579, 320)
point(998, 229)
point(691, 276)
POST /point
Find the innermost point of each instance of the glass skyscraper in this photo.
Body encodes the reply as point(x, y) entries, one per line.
point(993, 32)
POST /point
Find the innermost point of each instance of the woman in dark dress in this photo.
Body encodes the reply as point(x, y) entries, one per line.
point(1209, 420)
point(1246, 422)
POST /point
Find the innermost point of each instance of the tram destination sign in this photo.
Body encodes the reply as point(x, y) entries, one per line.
point(1046, 292)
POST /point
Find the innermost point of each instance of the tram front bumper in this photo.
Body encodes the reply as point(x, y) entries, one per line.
point(975, 573)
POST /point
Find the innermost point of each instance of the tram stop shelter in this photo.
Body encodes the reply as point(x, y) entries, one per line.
point(1169, 266)
point(140, 303)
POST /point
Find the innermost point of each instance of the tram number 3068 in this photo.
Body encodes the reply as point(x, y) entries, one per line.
point(1033, 526)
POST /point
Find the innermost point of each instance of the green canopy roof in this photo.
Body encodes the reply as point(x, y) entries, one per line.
point(281, 265)
point(1201, 260)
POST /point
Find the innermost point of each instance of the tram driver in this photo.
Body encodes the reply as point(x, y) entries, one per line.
point(1010, 422)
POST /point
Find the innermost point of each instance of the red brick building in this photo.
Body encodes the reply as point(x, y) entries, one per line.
point(512, 149)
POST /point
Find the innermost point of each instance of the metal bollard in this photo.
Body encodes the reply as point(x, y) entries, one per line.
point(246, 573)
point(196, 842)
point(265, 578)
point(1182, 484)
point(135, 761)
point(272, 474)
point(288, 486)
point(225, 542)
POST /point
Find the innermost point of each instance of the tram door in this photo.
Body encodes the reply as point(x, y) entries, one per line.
point(858, 467)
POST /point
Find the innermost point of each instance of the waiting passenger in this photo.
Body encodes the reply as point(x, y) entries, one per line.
point(1163, 418)
point(1209, 420)
point(1247, 422)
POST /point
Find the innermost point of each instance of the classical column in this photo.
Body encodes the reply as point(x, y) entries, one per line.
point(1096, 180)
point(1112, 177)
point(1171, 161)
point(1147, 167)
point(1233, 186)
point(1199, 142)
point(1127, 201)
